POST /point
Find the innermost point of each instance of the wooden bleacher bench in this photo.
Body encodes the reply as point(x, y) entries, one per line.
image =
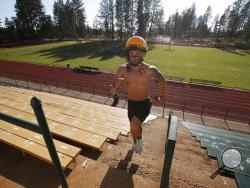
point(205, 82)
point(80, 121)
point(84, 69)
point(70, 117)
point(34, 144)
point(92, 112)
point(60, 129)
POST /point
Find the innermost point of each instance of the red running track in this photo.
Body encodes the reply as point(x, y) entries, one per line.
point(218, 102)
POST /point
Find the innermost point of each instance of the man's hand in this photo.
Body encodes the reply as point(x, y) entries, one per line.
point(113, 89)
point(160, 100)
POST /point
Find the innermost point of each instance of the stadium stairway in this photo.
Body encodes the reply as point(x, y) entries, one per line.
point(111, 165)
point(217, 140)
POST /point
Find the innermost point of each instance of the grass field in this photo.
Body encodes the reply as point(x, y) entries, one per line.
point(232, 69)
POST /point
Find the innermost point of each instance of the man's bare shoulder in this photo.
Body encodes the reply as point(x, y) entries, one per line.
point(123, 66)
point(150, 68)
point(121, 70)
point(153, 71)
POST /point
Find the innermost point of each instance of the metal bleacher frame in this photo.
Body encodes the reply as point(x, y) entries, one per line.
point(41, 128)
point(202, 133)
point(169, 150)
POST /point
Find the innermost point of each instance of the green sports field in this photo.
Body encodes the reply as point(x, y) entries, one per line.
point(232, 69)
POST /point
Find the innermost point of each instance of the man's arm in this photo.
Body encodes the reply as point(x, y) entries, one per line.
point(118, 81)
point(157, 75)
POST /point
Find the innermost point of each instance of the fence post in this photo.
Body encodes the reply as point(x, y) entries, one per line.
point(225, 116)
point(93, 89)
point(37, 107)
point(163, 109)
point(16, 83)
point(28, 85)
point(183, 111)
point(203, 106)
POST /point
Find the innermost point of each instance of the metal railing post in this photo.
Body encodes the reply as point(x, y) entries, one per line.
point(163, 109)
point(203, 106)
point(16, 83)
point(41, 86)
point(169, 121)
point(37, 107)
point(183, 111)
point(28, 85)
point(225, 116)
point(169, 152)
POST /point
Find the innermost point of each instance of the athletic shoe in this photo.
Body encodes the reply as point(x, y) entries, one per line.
point(139, 145)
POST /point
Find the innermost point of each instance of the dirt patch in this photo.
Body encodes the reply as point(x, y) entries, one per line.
point(149, 163)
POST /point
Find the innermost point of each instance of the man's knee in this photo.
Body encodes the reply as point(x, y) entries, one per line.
point(135, 121)
point(135, 125)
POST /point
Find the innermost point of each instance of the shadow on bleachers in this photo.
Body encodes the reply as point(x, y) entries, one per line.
point(26, 171)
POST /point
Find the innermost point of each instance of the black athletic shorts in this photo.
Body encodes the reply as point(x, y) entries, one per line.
point(140, 109)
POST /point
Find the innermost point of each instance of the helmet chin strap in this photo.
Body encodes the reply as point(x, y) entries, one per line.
point(133, 64)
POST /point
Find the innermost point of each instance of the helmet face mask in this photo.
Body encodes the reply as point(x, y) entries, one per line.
point(135, 57)
point(135, 46)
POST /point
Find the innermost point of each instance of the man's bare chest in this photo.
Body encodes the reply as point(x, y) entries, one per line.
point(138, 78)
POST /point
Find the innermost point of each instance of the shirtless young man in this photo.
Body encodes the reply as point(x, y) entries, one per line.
point(137, 76)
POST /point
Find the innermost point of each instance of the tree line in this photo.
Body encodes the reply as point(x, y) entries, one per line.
point(120, 19)
point(31, 22)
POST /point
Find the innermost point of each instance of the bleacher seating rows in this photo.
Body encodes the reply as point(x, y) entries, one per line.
point(69, 118)
point(217, 140)
point(217, 101)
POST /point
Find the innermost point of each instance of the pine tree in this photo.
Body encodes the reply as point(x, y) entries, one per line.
point(119, 15)
point(28, 18)
point(79, 17)
point(106, 14)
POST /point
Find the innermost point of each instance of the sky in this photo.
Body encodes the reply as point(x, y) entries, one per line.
point(91, 6)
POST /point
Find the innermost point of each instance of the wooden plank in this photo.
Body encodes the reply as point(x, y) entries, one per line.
point(115, 111)
point(78, 113)
point(51, 113)
point(61, 147)
point(77, 103)
point(60, 129)
point(32, 148)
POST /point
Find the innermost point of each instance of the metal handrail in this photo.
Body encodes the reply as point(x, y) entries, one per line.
point(169, 150)
point(41, 128)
